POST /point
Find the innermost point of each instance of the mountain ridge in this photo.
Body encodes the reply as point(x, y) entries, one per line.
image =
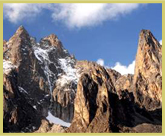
point(49, 79)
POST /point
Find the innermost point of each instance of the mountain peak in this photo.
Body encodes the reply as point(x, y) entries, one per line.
point(146, 37)
point(54, 41)
point(145, 34)
point(20, 33)
point(145, 31)
point(21, 30)
point(52, 36)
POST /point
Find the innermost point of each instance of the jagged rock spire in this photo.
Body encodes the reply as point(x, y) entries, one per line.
point(148, 71)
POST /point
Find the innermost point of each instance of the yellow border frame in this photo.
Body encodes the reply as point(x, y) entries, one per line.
point(79, 1)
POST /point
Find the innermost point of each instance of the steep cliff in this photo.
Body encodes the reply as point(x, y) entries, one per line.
point(18, 113)
point(148, 72)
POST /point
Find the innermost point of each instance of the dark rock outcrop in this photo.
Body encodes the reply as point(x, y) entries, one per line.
point(18, 114)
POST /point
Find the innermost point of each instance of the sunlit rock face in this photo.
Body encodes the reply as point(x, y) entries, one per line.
point(50, 91)
point(103, 104)
point(148, 72)
point(92, 111)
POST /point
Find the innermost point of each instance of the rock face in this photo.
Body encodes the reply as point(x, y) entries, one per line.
point(39, 68)
point(148, 72)
point(41, 78)
point(47, 127)
point(18, 114)
point(101, 105)
point(58, 67)
point(92, 100)
point(124, 83)
point(20, 54)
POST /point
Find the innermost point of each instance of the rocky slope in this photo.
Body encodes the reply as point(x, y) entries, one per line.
point(43, 79)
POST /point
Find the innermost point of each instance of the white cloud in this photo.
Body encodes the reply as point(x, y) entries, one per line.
point(91, 14)
point(72, 15)
point(160, 42)
point(100, 62)
point(124, 69)
point(16, 12)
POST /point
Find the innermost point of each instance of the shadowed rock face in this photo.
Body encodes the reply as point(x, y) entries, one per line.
point(30, 76)
point(18, 113)
point(38, 67)
point(42, 77)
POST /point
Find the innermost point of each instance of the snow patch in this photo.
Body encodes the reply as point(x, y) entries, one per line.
point(8, 66)
point(22, 90)
point(43, 57)
point(47, 95)
point(34, 107)
point(56, 120)
point(70, 73)
point(39, 103)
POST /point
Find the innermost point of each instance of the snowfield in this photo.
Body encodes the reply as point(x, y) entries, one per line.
point(55, 120)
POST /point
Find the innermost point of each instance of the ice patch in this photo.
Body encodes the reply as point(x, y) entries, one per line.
point(56, 120)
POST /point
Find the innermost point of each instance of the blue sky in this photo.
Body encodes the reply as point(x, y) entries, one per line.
point(105, 32)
